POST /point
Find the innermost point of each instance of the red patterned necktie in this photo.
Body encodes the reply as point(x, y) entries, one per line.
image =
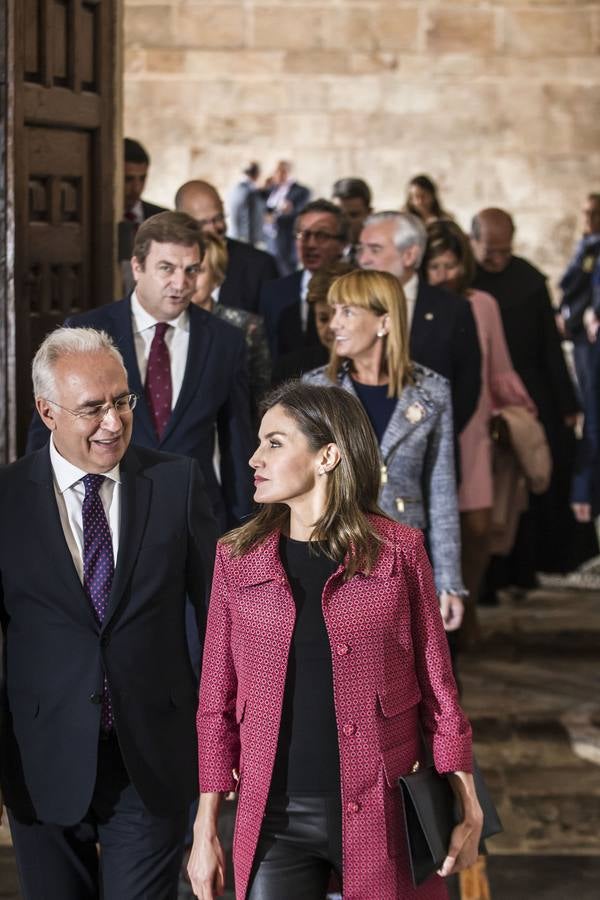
point(98, 568)
point(131, 217)
point(159, 390)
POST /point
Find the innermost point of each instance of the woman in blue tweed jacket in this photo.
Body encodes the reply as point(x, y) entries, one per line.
point(410, 408)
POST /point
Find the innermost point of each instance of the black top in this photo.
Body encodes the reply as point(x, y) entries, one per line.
point(378, 406)
point(307, 760)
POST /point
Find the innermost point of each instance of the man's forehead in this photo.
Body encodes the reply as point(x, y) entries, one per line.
point(201, 202)
point(134, 168)
point(175, 252)
point(318, 220)
point(378, 233)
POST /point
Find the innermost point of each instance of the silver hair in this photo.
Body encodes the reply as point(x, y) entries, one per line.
point(66, 342)
point(409, 232)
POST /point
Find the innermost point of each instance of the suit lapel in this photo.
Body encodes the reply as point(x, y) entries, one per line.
point(123, 333)
point(198, 348)
point(135, 503)
point(47, 517)
point(413, 408)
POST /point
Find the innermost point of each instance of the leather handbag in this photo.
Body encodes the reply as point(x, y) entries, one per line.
point(430, 814)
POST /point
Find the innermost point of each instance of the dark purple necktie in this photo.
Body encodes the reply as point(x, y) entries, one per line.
point(98, 566)
point(159, 390)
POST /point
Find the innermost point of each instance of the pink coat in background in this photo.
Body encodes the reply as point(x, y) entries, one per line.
point(391, 673)
point(500, 386)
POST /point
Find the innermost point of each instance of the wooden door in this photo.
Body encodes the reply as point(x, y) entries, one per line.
point(62, 115)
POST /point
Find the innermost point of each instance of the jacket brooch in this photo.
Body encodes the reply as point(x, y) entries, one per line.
point(414, 413)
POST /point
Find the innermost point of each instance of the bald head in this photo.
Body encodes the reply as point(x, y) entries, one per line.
point(201, 200)
point(492, 233)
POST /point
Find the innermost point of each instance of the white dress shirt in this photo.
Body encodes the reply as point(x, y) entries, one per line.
point(70, 491)
point(306, 276)
point(136, 213)
point(411, 288)
point(177, 339)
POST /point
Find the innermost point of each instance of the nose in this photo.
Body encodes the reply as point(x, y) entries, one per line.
point(179, 279)
point(254, 461)
point(112, 420)
point(364, 258)
point(334, 321)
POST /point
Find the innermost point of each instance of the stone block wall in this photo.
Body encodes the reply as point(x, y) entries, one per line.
point(498, 100)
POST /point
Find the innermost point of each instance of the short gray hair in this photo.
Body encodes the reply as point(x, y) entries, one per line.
point(409, 232)
point(66, 342)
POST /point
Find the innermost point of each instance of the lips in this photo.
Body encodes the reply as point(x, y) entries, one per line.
point(259, 480)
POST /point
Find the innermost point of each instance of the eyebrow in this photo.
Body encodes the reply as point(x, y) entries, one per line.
point(102, 402)
point(273, 433)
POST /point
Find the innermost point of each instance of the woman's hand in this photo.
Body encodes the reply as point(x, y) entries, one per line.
point(452, 609)
point(206, 866)
point(464, 841)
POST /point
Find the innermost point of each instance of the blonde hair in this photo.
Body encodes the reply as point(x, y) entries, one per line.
point(215, 256)
point(382, 294)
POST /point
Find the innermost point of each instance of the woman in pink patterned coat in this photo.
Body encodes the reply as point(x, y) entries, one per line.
point(325, 656)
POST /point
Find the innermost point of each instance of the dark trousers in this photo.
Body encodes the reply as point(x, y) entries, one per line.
point(140, 853)
point(300, 845)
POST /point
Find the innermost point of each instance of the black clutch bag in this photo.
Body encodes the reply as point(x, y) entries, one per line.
point(430, 814)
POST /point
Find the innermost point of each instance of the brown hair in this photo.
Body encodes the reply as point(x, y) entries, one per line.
point(215, 256)
point(327, 415)
point(443, 237)
point(167, 228)
point(381, 293)
point(323, 278)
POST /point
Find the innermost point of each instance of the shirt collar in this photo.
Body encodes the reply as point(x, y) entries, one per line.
point(67, 475)
point(142, 320)
point(411, 288)
point(304, 283)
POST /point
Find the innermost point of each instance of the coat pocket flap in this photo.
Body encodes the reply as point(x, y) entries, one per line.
point(395, 699)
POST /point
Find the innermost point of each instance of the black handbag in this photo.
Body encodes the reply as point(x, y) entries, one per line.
point(430, 813)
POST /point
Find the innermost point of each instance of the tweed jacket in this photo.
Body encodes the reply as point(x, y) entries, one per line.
point(418, 475)
point(257, 350)
point(391, 673)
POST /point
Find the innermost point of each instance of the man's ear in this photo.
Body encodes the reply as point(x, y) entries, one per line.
point(410, 256)
point(136, 267)
point(46, 412)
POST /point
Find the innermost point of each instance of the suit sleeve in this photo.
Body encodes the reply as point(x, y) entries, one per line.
point(439, 489)
point(466, 381)
point(235, 439)
point(202, 540)
point(218, 732)
point(445, 726)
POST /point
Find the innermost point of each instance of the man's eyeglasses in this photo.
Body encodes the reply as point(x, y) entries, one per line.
point(122, 406)
point(219, 219)
point(319, 237)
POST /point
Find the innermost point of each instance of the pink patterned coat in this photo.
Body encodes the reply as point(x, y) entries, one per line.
point(391, 668)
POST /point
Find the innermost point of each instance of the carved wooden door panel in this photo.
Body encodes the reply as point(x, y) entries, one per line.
point(64, 59)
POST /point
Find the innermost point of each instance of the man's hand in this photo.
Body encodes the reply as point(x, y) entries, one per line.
point(582, 512)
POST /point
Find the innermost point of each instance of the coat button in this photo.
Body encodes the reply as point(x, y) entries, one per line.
point(96, 698)
point(353, 807)
point(349, 729)
point(343, 649)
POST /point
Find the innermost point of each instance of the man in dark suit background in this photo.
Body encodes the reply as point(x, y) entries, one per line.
point(100, 544)
point(321, 235)
point(200, 359)
point(247, 267)
point(443, 335)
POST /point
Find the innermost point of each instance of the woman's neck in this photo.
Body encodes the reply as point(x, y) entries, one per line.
point(306, 510)
point(368, 367)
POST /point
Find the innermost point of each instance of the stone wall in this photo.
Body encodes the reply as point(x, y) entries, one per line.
point(499, 101)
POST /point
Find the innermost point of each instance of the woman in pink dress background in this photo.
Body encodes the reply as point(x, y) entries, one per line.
point(449, 263)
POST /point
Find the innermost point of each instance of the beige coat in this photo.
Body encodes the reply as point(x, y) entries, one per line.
point(521, 463)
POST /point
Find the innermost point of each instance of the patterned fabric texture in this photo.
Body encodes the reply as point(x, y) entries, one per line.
point(158, 387)
point(391, 674)
point(417, 450)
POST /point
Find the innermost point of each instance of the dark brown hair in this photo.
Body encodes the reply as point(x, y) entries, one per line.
point(443, 237)
point(328, 415)
point(167, 228)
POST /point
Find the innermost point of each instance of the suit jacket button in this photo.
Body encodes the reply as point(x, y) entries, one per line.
point(353, 807)
point(96, 698)
point(349, 729)
point(342, 649)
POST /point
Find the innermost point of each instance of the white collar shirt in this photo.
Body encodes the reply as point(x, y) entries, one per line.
point(177, 339)
point(304, 283)
point(69, 491)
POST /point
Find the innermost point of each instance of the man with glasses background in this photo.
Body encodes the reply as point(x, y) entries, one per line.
point(247, 267)
point(321, 236)
point(100, 545)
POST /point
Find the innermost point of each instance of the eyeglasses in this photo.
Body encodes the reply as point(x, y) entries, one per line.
point(319, 237)
point(219, 219)
point(122, 406)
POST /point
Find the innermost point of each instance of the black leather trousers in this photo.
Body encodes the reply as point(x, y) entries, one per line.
point(300, 844)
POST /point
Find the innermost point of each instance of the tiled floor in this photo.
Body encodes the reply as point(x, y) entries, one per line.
point(533, 694)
